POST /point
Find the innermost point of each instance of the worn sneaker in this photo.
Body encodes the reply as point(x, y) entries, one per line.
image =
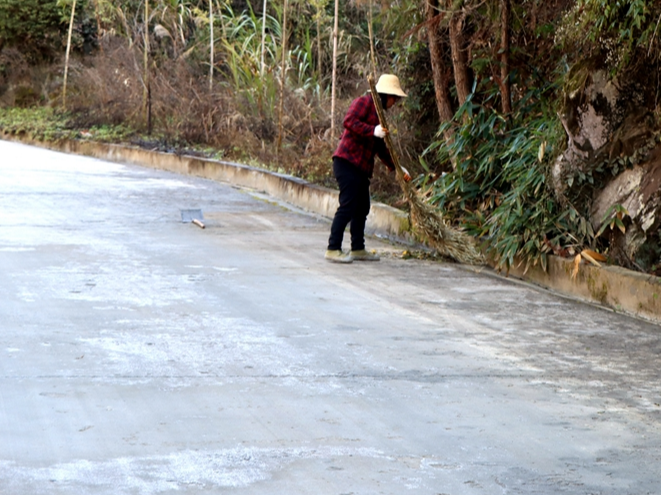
point(338, 256)
point(362, 255)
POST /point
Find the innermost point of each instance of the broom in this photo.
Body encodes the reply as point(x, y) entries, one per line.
point(427, 220)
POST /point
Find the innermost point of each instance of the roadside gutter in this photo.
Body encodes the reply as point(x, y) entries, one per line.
point(611, 287)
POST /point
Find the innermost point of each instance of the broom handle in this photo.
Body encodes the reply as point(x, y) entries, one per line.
point(384, 124)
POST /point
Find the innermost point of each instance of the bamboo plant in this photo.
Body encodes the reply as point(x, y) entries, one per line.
point(66, 59)
point(283, 76)
point(334, 75)
point(211, 47)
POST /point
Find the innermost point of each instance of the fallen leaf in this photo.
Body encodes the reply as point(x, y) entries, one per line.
point(590, 258)
point(595, 255)
point(542, 149)
point(577, 262)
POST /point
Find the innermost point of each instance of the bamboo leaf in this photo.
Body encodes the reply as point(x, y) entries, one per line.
point(620, 225)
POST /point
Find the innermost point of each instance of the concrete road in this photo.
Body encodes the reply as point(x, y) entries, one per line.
point(142, 355)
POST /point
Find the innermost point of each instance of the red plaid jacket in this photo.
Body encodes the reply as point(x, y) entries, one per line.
point(358, 144)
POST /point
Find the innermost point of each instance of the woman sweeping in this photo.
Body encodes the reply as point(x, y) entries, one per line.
point(353, 165)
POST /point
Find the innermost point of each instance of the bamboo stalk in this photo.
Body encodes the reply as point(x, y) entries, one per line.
point(222, 21)
point(181, 26)
point(261, 72)
point(505, 16)
point(427, 220)
point(145, 92)
point(334, 76)
point(66, 58)
point(319, 41)
point(98, 23)
point(283, 77)
point(211, 54)
point(649, 50)
point(371, 35)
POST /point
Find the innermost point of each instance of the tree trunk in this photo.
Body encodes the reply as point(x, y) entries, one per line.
point(334, 76)
point(439, 70)
point(66, 59)
point(505, 15)
point(459, 56)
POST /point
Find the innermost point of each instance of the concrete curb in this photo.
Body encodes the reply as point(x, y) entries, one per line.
point(624, 291)
point(616, 288)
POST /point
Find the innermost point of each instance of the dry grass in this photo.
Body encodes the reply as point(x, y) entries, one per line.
point(106, 89)
point(17, 86)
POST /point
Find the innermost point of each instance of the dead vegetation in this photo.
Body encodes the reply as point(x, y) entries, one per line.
point(185, 112)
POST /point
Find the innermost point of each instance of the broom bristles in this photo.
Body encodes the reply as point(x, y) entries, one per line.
point(427, 220)
point(446, 240)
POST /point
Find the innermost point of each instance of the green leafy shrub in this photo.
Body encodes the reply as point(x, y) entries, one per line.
point(37, 123)
point(615, 33)
point(35, 25)
point(498, 189)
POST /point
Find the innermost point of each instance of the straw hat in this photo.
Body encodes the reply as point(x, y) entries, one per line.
point(389, 85)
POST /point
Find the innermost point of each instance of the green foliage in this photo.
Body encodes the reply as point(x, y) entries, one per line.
point(499, 189)
point(613, 32)
point(35, 25)
point(614, 218)
point(241, 42)
point(242, 46)
point(39, 28)
point(107, 133)
point(37, 123)
point(46, 124)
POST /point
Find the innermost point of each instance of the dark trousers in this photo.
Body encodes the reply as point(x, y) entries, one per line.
point(354, 205)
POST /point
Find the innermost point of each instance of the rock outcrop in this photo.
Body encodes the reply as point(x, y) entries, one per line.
point(613, 157)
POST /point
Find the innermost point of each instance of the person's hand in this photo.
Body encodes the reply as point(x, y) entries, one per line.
point(380, 132)
point(407, 176)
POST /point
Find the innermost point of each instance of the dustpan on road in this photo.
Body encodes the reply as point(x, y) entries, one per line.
point(193, 216)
